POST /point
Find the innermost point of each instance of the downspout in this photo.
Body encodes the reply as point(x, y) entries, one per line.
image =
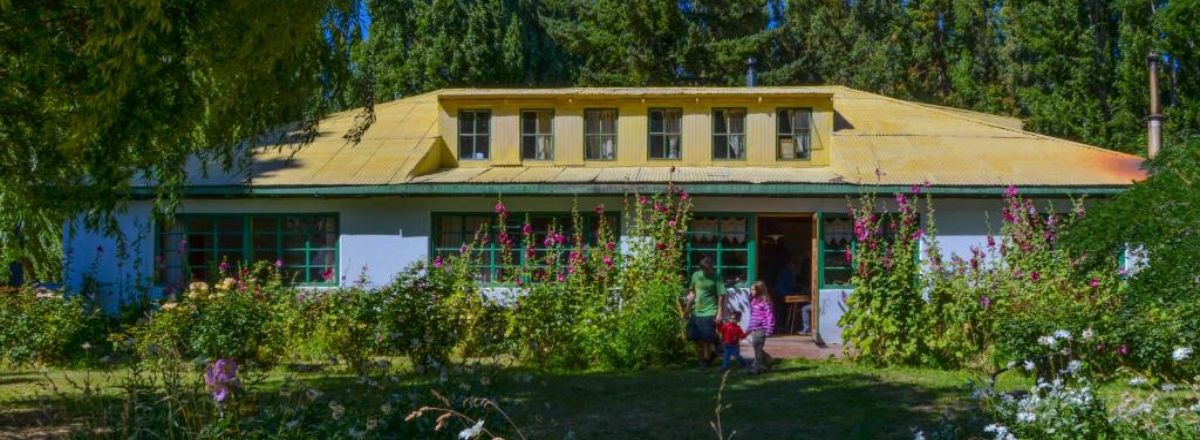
point(751, 75)
point(1154, 123)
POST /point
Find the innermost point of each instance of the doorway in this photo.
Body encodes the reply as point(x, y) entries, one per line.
point(786, 245)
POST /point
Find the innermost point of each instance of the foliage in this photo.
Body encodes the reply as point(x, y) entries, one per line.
point(43, 326)
point(1156, 220)
point(346, 323)
point(1065, 404)
point(418, 320)
point(883, 321)
point(984, 310)
point(99, 97)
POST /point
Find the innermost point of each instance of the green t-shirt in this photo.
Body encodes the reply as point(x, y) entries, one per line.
point(708, 289)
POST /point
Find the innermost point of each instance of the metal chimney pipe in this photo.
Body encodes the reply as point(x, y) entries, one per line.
point(1154, 123)
point(751, 75)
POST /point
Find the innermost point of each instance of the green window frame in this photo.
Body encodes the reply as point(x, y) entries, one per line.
point(729, 238)
point(600, 133)
point(192, 246)
point(729, 133)
point(537, 134)
point(450, 231)
point(793, 137)
point(665, 133)
point(836, 231)
point(474, 134)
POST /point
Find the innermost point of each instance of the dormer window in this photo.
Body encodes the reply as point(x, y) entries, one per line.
point(729, 133)
point(537, 135)
point(794, 139)
point(665, 128)
point(474, 137)
point(600, 134)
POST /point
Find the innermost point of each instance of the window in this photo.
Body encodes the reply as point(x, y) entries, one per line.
point(794, 137)
point(452, 231)
point(473, 134)
point(194, 246)
point(600, 134)
point(537, 134)
point(665, 127)
point(837, 236)
point(726, 239)
point(729, 133)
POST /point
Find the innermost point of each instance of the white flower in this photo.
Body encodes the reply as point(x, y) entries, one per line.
point(1063, 334)
point(1074, 366)
point(1026, 417)
point(1010, 364)
point(1168, 387)
point(1029, 366)
point(1047, 341)
point(919, 435)
point(1139, 380)
point(471, 432)
point(1196, 408)
point(1181, 353)
point(86, 346)
point(1088, 334)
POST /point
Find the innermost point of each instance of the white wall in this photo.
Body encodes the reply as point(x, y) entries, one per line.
point(380, 236)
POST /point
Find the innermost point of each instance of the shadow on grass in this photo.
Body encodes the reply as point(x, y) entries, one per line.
point(797, 400)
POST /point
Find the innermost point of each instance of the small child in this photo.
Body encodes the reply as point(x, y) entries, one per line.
point(731, 334)
point(762, 323)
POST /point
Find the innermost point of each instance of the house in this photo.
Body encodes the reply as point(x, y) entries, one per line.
point(770, 170)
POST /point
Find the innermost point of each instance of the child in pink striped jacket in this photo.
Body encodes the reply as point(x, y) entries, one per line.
point(762, 324)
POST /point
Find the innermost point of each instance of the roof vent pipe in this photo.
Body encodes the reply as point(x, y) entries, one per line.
point(751, 75)
point(1154, 125)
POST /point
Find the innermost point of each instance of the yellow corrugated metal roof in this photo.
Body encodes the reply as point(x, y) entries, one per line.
point(876, 140)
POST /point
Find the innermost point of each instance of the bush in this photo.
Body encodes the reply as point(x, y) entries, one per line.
point(417, 320)
point(43, 326)
point(235, 319)
point(346, 323)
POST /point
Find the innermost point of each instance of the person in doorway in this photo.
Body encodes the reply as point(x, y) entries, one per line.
point(731, 338)
point(762, 324)
point(706, 306)
point(806, 319)
point(785, 283)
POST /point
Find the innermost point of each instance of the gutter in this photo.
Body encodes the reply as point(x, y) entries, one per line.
point(573, 189)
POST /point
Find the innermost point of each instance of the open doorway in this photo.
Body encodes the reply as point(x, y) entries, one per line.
point(785, 263)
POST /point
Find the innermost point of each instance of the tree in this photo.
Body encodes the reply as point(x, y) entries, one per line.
point(98, 96)
point(421, 45)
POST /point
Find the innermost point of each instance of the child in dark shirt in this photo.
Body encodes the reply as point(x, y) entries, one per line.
point(731, 335)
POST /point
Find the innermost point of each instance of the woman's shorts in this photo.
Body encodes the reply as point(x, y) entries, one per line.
point(702, 329)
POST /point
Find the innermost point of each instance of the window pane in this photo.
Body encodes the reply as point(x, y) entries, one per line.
point(481, 147)
point(656, 121)
point(656, 147)
point(466, 147)
point(529, 122)
point(720, 125)
point(785, 121)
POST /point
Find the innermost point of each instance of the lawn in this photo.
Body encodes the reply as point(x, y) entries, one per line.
point(800, 399)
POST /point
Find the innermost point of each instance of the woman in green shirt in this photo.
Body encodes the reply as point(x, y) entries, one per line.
point(706, 305)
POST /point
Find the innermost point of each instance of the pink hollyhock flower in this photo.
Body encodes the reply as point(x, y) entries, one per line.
point(1011, 191)
point(561, 277)
point(223, 267)
point(559, 238)
point(500, 208)
point(549, 241)
point(901, 200)
point(327, 274)
point(608, 260)
point(1122, 350)
point(1094, 283)
point(660, 246)
point(599, 209)
point(278, 263)
point(985, 302)
point(642, 200)
point(437, 263)
point(610, 246)
point(1035, 276)
point(849, 255)
point(527, 229)
point(671, 223)
point(683, 195)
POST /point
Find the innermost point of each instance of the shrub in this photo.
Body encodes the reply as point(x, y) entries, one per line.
point(416, 318)
point(44, 326)
point(346, 323)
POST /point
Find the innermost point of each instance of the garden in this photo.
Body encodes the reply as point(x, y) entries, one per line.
point(1038, 333)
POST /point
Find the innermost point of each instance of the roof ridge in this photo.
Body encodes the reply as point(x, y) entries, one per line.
point(987, 123)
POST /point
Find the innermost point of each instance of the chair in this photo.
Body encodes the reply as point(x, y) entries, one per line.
point(795, 304)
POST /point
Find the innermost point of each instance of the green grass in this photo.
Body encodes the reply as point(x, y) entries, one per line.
point(800, 399)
